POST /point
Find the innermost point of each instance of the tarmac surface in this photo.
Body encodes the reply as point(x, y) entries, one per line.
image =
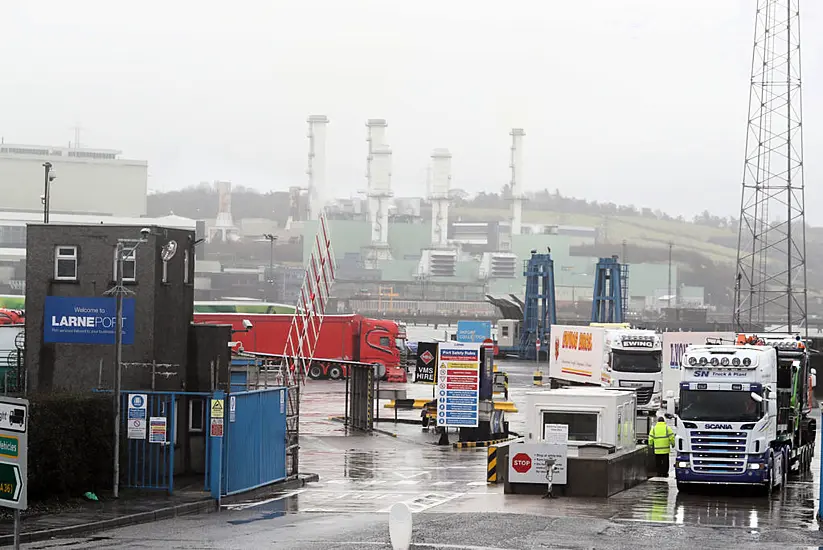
point(362, 476)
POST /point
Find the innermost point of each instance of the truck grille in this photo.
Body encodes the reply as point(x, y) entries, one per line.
point(644, 395)
point(718, 452)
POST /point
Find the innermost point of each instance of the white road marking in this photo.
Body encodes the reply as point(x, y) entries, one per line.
point(476, 483)
point(440, 483)
point(246, 505)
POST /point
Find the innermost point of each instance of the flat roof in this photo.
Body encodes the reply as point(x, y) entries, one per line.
point(24, 218)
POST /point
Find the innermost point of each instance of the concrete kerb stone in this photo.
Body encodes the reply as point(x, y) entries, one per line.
point(201, 506)
point(268, 490)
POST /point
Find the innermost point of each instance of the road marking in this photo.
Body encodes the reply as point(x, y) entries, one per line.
point(427, 501)
point(407, 482)
point(476, 483)
point(440, 483)
point(246, 505)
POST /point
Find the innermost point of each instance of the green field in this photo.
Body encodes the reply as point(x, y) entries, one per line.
point(636, 230)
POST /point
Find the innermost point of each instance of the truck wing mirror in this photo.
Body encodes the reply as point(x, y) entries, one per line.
point(814, 377)
point(756, 397)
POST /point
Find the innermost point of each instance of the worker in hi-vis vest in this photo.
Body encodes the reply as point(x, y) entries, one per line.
point(661, 437)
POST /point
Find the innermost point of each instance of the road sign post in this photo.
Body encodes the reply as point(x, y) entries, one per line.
point(14, 422)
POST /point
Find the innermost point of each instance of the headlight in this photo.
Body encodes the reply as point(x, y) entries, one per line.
point(682, 464)
point(754, 466)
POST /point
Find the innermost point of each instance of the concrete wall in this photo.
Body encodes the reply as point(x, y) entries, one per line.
point(163, 310)
point(116, 187)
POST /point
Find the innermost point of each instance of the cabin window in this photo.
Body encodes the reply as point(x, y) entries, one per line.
point(582, 425)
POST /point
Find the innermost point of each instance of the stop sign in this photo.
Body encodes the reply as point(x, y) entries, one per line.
point(521, 463)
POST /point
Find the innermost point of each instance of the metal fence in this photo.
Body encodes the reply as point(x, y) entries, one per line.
point(254, 452)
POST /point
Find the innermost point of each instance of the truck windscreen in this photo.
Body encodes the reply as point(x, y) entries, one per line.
point(719, 406)
point(636, 361)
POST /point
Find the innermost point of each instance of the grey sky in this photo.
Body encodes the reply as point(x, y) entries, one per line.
point(633, 101)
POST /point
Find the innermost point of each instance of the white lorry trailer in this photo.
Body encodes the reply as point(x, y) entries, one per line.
point(743, 415)
point(622, 358)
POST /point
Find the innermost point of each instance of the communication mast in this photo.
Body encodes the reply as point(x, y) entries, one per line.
point(770, 283)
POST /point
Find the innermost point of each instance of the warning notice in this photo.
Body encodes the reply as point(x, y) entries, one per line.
point(458, 379)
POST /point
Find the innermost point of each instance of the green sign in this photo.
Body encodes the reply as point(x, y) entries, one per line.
point(9, 446)
point(10, 482)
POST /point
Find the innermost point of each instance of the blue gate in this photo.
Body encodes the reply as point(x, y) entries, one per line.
point(254, 443)
point(150, 426)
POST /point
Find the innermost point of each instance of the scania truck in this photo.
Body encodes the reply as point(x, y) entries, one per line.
point(743, 415)
point(622, 358)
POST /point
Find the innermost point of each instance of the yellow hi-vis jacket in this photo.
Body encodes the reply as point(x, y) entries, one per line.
point(660, 438)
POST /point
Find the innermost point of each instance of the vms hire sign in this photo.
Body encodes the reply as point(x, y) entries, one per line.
point(71, 320)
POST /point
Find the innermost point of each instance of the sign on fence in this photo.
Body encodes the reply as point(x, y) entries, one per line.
point(425, 370)
point(14, 421)
point(157, 429)
point(72, 320)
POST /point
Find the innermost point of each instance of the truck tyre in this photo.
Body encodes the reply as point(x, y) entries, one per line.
point(335, 372)
point(315, 372)
point(784, 477)
point(769, 487)
point(682, 487)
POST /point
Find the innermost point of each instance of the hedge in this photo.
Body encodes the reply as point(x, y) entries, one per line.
point(70, 444)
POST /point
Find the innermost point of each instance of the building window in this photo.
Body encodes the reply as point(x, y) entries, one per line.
point(582, 425)
point(65, 263)
point(196, 415)
point(129, 265)
point(185, 266)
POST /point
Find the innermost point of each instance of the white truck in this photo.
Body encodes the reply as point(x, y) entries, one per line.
point(622, 358)
point(674, 346)
point(744, 413)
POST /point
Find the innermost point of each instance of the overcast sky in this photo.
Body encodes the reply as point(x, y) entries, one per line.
point(632, 101)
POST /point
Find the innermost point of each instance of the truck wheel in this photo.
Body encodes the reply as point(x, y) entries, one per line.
point(335, 372)
point(315, 372)
point(769, 487)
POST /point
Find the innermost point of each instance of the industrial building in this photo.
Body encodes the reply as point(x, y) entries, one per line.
point(89, 181)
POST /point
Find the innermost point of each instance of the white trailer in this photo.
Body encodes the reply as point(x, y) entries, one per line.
point(595, 416)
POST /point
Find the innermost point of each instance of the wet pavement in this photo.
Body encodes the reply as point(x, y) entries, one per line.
point(361, 476)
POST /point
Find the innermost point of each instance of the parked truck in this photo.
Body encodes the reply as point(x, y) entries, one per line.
point(343, 339)
point(611, 357)
point(744, 412)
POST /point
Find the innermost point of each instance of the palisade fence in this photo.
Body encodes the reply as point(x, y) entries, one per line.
point(12, 359)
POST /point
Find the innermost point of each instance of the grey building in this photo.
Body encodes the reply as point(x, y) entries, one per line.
point(79, 261)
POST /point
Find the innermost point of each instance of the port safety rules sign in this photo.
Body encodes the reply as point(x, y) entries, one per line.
point(458, 384)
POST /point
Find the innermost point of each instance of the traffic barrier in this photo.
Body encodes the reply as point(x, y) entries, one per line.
point(491, 465)
point(505, 406)
point(478, 444)
point(538, 378)
point(407, 404)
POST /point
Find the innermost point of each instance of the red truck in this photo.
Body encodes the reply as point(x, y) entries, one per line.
point(343, 338)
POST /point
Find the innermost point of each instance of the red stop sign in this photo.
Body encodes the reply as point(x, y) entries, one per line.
point(521, 463)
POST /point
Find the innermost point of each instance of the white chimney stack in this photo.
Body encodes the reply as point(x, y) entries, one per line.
point(517, 180)
point(378, 174)
point(441, 161)
point(318, 194)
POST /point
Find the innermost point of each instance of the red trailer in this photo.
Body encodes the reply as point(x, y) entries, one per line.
point(342, 338)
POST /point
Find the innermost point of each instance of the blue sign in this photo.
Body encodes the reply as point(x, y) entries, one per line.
point(71, 320)
point(473, 331)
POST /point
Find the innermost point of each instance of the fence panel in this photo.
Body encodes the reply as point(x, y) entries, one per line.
point(254, 452)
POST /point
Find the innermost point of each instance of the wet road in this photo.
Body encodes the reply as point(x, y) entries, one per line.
point(363, 475)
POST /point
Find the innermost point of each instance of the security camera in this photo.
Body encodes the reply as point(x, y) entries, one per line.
point(145, 232)
point(52, 174)
point(43, 199)
point(247, 324)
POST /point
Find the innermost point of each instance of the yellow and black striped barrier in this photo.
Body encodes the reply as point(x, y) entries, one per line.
point(538, 378)
point(491, 465)
point(407, 404)
point(478, 444)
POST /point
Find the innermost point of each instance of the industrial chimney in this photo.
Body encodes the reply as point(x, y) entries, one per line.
point(378, 175)
point(318, 194)
point(516, 186)
point(440, 184)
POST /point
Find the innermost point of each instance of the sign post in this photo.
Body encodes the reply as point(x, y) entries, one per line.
point(14, 421)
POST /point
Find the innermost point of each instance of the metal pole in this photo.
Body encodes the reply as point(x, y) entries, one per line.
point(271, 261)
point(47, 169)
point(17, 530)
point(118, 344)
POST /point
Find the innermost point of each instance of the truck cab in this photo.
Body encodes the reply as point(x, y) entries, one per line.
point(727, 418)
point(634, 362)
